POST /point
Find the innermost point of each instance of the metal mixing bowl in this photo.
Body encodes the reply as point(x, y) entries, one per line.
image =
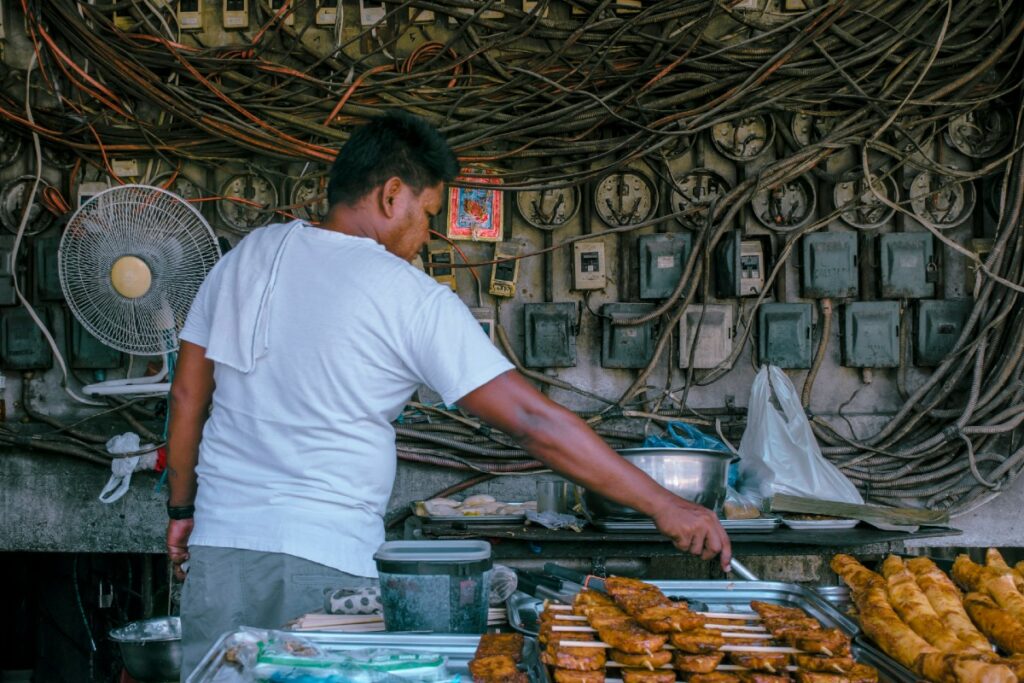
point(151, 649)
point(695, 474)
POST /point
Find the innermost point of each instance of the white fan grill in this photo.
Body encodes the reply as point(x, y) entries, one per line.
point(173, 242)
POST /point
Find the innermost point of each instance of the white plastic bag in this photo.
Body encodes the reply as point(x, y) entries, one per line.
point(783, 441)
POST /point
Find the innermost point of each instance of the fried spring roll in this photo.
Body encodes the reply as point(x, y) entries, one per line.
point(945, 599)
point(994, 560)
point(913, 607)
point(1000, 627)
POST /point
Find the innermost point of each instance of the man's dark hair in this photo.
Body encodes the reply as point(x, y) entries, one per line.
point(396, 144)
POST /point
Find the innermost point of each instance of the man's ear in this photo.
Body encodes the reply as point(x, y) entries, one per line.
point(389, 195)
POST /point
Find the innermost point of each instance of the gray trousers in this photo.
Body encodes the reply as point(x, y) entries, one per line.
point(228, 587)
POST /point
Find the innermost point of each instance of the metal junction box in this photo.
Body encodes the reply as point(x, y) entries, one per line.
point(662, 258)
point(44, 253)
point(741, 265)
point(829, 265)
point(626, 346)
point(8, 297)
point(908, 265)
point(88, 352)
point(22, 345)
point(712, 333)
point(871, 334)
point(784, 334)
point(939, 324)
point(550, 335)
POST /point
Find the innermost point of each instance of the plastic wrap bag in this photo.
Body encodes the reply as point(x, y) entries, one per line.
point(778, 452)
point(503, 585)
point(683, 435)
point(283, 657)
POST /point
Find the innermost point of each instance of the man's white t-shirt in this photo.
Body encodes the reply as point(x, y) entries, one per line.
point(298, 456)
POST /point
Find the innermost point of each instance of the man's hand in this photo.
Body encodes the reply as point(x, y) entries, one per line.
point(694, 529)
point(178, 531)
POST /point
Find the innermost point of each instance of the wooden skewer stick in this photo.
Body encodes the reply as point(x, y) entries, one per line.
point(734, 667)
point(724, 648)
point(736, 627)
point(740, 616)
point(726, 634)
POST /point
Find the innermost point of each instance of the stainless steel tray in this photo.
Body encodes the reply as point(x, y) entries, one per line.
point(720, 596)
point(458, 648)
point(419, 511)
point(761, 525)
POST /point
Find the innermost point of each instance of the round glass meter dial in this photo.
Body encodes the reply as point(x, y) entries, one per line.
point(981, 132)
point(942, 200)
point(786, 206)
point(13, 196)
point(309, 198)
point(547, 209)
point(808, 129)
point(745, 138)
point(623, 198)
point(693, 194)
point(59, 157)
point(860, 207)
point(247, 200)
point(180, 185)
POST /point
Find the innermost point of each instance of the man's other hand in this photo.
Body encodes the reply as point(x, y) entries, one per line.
point(178, 531)
point(694, 529)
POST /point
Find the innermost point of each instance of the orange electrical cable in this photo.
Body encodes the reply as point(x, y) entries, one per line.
point(352, 88)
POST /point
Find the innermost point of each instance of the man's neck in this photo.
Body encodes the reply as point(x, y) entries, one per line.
point(350, 220)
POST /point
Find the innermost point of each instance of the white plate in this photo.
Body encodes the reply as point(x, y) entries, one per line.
point(820, 524)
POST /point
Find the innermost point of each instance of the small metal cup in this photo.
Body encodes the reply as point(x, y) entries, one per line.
point(554, 495)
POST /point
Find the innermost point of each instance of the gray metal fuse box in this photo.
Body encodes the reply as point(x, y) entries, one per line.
point(871, 333)
point(550, 335)
point(784, 334)
point(908, 263)
point(88, 352)
point(710, 328)
point(47, 278)
point(829, 261)
point(626, 346)
point(662, 258)
point(939, 324)
point(22, 345)
point(741, 265)
point(8, 297)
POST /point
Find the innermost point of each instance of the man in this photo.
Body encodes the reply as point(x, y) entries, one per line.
point(307, 342)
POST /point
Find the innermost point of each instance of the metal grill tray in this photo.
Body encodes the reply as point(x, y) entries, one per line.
point(761, 525)
point(458, 648)
point(735, 596)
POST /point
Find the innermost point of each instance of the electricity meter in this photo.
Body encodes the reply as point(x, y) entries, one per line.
point(860, 206)
point(327, 12)
point(289, 15)
point(942, 200)
point(981, 132)
point(784, 334)
point(785, 206)
point(550, 335)
point(12, 205)
point(309, 198)
point(59, 157)
point(548, 209)
point(870, 333)
point(236, 13)
point(506, 270)
point(246, 201)
point(180, 185)
point(190, 15)
point(808, 128)
point(10, 147)
point(588, 265)
point(624, 198)
point(86, 191)
point(744, 138)
point(706, 331)
point(440, 257)
point(371, 12)
point(693, 193)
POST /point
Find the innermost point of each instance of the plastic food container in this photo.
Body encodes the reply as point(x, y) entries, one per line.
point(438, 586)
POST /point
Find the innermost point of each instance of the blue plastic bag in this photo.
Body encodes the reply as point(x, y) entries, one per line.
point(683, 435)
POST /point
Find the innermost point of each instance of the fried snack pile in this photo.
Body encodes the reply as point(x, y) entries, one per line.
point(648, 638)
point(496, 657)
point(916, 615)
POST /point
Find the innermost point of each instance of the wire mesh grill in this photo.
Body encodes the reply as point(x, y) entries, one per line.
point(158, 227)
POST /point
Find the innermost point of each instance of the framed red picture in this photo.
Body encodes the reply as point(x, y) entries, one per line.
point(476, 213)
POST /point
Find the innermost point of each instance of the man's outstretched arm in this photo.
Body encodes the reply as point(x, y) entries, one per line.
point(564, 442)
point(191, 393)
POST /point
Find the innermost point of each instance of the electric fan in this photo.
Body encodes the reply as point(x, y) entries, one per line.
point(130, 263)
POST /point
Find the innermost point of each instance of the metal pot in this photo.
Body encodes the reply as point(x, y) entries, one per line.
point(695, 474)
point(151, 649)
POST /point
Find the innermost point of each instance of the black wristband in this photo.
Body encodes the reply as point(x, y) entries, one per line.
point(180, 511)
